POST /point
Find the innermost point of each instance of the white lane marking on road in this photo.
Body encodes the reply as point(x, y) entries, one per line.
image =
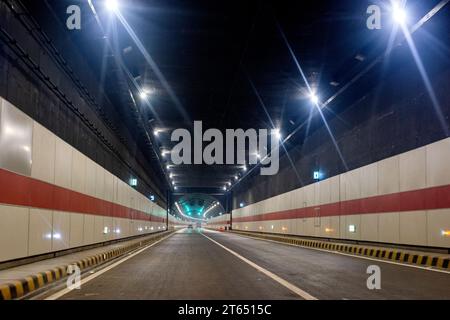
point(65, 291)
point(349, 255)
point(305, 295)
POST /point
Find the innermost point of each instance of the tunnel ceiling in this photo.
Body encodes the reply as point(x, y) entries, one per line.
point(226, 62)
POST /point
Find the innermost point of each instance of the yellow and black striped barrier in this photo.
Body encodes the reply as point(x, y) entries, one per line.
point(21, 287)
point(393, 254)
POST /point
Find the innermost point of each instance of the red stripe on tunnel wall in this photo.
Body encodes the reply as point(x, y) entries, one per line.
point(20, 190)
point(422, 199)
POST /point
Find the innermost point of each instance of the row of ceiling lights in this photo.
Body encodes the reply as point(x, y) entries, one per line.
point(398, 13)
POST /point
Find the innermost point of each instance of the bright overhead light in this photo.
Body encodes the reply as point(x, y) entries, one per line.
point(143, 95)
point(229, 183)
point(277, 133)
point(314, 98)
point(398, 13)
point(224, 188)
point(112, 5)
point(236, 177)
point(156, 132)
point(244, 168)
point(175, 187)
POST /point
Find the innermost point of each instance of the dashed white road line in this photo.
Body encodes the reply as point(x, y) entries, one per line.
point(305, 295)
point(65, 291)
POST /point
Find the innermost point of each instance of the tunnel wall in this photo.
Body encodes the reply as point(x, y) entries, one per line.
point(45, 74)
point(175, 223)
point(52, 197)
point(404, 199)
point(219, 222)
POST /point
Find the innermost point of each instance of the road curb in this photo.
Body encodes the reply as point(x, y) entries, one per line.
point(397, 255)
point(21, 287)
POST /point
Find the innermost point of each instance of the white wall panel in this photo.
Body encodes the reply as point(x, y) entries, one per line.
point(388, 176)
point(413, 169)
point(334, 189)
point(109, 188)
point(369, 227)
point(13, 232)
point(61, 230)
point(99, 182)
point(437, 222)
point(88, 230)
point(413, 227)
point(438, 158)
point(90, 177)
point(78, 171)
point(76, 229)
point(63, 164)
point(389, 227)
point(43, 164)
point(40, 232)
point(352, 185)
point(369, 180)
point(324, 194)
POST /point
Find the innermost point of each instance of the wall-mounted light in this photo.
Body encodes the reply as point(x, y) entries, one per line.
point(317, 175)
point(105, 230)
point(445, 233)
point(328, 230)
point(241, 204)
point(133, 182)
point(351, 228)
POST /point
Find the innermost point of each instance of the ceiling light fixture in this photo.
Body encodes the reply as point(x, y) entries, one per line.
point(112, 5)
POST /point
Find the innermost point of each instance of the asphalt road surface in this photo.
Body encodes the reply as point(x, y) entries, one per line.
point(202, 264)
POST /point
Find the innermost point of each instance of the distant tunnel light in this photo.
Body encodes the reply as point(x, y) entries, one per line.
point(351, 228)
point(112, 5)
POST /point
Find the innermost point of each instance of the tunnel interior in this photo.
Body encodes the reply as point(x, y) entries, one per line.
point(275, 129)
